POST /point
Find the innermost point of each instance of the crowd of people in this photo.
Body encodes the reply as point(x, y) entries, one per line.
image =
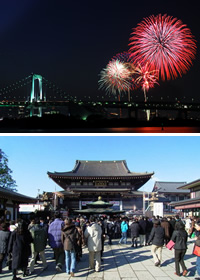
point(22, 243)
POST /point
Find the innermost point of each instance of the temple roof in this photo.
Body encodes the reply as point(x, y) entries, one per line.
point(9, 194)
point(190, 185)
point(85, 168)
point(169, 187)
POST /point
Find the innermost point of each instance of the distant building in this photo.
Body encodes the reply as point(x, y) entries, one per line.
point(190, 206)
point(112, 180)
point(171, 191)
point(9, 203)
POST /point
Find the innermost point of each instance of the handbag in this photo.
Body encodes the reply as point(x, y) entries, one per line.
point(196, 250)
point(170, 245)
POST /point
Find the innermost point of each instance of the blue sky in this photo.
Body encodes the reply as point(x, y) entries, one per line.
point(172, 158)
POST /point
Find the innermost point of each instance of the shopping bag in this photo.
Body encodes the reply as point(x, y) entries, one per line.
point(170, 245)
point(196, 250)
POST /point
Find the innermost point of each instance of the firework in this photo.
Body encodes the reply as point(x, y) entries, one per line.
point(124, 57)
point(165, 43)
point(116, 77)
point(145, 77)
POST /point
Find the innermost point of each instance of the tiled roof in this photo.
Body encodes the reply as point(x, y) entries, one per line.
point(185, 201)
point(6, 193)
point(98, 169)
point(169, 187)
point(192, 184)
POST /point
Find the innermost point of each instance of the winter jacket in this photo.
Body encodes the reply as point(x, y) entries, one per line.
point(69, 237)
point(124, 227)
point(54, 233)
point(110, 228)
point(4, 238)
point(135, 228)
point(180, 239)
point(19, 246)
point(39, 236)
point(157, 236)
point(143, 226)
point(93, 235)
point(166, 226)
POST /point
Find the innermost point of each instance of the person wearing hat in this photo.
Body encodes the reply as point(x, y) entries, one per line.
point(157, 236)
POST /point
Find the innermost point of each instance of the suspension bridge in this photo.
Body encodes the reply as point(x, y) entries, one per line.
point(36, 94)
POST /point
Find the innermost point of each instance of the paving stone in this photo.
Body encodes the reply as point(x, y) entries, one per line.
point(121, 262)
point(156, 271)
point(144, 275)
point(111, 275)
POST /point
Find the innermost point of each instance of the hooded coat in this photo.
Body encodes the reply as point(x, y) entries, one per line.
point(124, 226)
point(93, 235)
point(69, 237)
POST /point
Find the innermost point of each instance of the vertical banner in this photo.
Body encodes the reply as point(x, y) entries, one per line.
point(158, 209)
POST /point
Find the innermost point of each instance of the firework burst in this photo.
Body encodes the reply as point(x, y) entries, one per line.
point(144, 77)
point(165, 43)
point(116, 77)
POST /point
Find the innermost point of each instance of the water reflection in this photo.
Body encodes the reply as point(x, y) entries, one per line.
point(154, 129)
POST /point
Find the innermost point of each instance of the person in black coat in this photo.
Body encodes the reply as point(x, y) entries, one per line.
point(179, 237)
point(19, 247)
point(157, 236)
point(110, 230)
point(135, 228)
point(4, 238)
point(142, 233)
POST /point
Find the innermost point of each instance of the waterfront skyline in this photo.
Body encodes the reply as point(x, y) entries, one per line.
point(171, 158)
point(69, 43)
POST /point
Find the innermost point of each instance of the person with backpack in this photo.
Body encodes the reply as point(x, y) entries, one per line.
point(70, 238)
point(39, 235)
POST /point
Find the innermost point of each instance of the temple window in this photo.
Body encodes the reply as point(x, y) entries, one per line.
point(173, 198)
point(197, 194)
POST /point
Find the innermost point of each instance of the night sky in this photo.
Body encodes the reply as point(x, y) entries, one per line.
point(70, 42)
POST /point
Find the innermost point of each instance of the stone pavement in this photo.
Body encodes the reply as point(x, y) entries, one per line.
point(119, 262)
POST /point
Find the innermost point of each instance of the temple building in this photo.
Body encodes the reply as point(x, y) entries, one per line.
point(112, 180)
point(172, 192)
point(190, 206)
point(10, 201)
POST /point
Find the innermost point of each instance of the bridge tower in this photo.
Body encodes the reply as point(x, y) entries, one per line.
point(36, 93)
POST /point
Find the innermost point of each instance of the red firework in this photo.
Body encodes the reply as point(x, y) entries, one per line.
point(145, 77)
point(165, 43)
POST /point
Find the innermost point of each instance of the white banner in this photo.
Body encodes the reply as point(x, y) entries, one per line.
point(158, 209)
